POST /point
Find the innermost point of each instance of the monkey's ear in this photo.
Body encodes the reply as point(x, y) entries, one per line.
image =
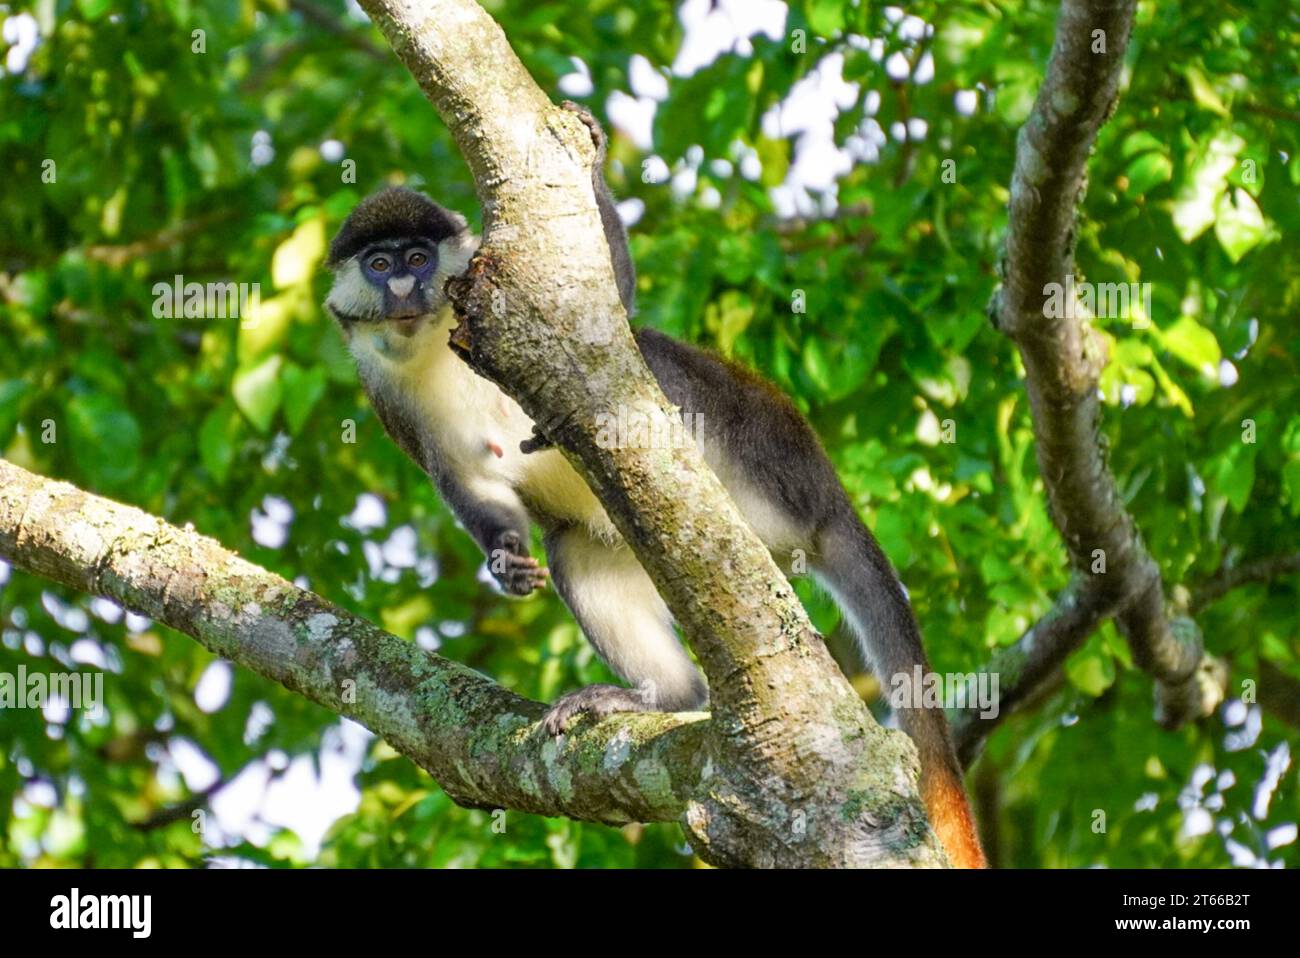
point(457, 249)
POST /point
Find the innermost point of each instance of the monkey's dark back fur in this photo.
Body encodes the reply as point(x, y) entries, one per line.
point(756, 424)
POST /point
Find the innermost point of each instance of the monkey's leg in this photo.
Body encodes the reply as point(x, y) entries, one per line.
point(629, 626)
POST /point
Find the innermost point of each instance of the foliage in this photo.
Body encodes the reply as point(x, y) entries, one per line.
point(228, 165)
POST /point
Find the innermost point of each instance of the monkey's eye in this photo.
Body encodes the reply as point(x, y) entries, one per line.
point(380, 264)
point(416, 258)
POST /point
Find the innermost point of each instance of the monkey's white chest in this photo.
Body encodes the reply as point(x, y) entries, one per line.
point(477, 430)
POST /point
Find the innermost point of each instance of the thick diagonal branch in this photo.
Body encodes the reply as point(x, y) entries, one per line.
point(540, 315)
point(480, 742)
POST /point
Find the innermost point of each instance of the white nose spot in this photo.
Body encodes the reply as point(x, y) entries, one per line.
point(401, 286)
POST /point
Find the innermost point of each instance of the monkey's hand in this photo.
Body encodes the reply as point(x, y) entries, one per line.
point(536, 442)
point(593, 126)
point(512, 566)
point(596, 701)
point(615, 232)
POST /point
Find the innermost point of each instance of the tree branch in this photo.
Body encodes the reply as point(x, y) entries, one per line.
point(1063, 358)
point(478, 741)
point(1255, 570)
point(1032, 664)
point(1279, 693)
point(164, 240)
point(355, 36)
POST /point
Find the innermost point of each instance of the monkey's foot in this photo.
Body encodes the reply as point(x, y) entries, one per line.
point(596, 701)
point(512, 566)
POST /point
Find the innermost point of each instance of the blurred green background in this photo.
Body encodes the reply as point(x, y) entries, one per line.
point(861, 164)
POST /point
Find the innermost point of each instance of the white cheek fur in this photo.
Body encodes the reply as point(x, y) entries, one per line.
point(351, 295)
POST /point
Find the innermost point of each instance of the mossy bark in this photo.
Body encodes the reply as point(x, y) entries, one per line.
point(480, 742)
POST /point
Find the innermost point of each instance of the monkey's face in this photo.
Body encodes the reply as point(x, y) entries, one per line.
point(391, 259)
point(401, 272)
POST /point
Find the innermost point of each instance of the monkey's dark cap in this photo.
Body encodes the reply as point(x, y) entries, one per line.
point(391, 213)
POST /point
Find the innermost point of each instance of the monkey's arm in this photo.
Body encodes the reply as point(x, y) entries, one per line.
point(495, 519)
point(489, 511)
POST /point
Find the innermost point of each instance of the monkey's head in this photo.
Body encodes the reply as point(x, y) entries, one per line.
point(390, 260)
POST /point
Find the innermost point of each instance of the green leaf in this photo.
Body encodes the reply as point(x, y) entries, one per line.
point(217, 437)
point(295, 260)
point(1148, 171)
point(11, 394)
point(815, 365)
point(895, 535)
point(1173, 392)
point(93, 10)
point(1205, 182)
point(1121, 383)
point(1291, 480)
point(302, 390)
point(1202, 92)
point(105, 439)
point(1233, 474)
point(826, 17)
point(257, 391)
point(1239, 225)
point(995, 568)
point(1139, 142)
point(266, 325)
point(1091, 670)
point(1193, 344)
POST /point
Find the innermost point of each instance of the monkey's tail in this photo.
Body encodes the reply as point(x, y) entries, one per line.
point(854, 570)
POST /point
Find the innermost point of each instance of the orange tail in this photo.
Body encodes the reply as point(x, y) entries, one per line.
point(950, 815)
point(857, 573)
